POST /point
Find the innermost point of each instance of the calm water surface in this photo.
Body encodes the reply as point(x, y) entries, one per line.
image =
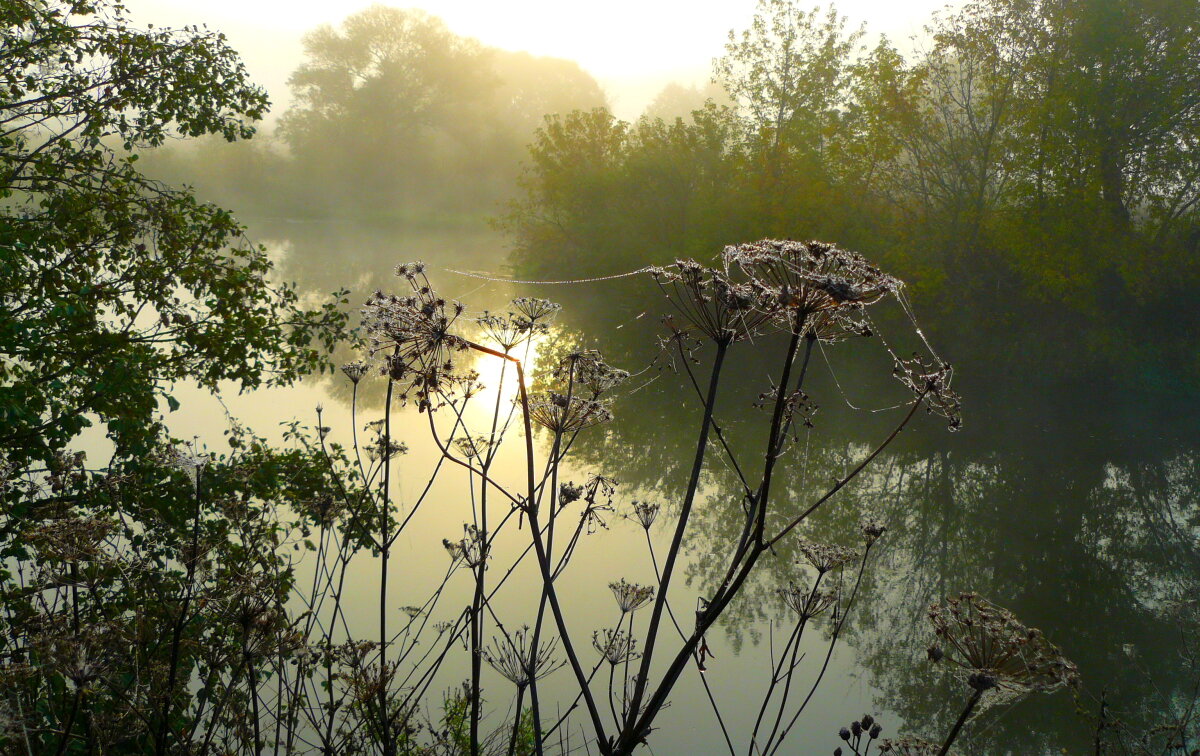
point(1075, 508)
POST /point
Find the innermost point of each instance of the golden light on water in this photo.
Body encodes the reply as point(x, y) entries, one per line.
point(499, 379)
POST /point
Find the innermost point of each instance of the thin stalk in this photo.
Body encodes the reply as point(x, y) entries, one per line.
point(160, 745)
point(660, 600)
point(837, 631)
point(962, 718)
point(252, 678)
point(512, 741)
point(70, 724)
point(385, 544)
point(552, 465)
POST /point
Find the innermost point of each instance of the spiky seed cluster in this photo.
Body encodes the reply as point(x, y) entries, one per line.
point(712, 302)
point(630, 596)
point(414, 333)
point(645, 513)
point(355, 370)
point(805, 601)
point(994, 649)
point(825, 557)
point(616, 646)
point(507, 330)
point(470, 549)
point(472, 446)
point(559, 414)
point(588, 374)
point(515, 658)
point(535, 309)
point(817, 288)
point(931, 380)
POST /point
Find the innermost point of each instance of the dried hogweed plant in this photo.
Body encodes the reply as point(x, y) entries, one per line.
point(997, 657)
point(808, 291)
point(256, 650)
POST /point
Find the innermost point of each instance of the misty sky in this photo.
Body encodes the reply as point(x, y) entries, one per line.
point(632, 47)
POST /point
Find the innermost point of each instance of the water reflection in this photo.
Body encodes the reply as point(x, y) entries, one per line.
point(1074, 506)
point(1084, 523)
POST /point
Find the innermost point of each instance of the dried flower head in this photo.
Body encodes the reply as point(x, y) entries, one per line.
point(630, 596)
point(568, 493)
point(414, 332)
point(930, 380)
point(994, 649)
point(536, 309)
point(872, 529)
point(559, 414)
point(355, 370)
point(645, 513)
point(454, 549)
point(470, 549)
point(615, 645)
point(515, 658)
point(472, 446)
point(70, 539)
point(825, 557)
point(712, 303)
point(385, 449)
point(588, 374)
point(805, 601)
point(816, 288)
point(506, 331)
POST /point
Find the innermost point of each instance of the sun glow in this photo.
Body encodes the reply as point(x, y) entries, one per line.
point(498, 376)
point(633, 47)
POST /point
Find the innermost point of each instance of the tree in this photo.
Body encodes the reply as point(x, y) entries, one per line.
point(396, 109)
point(122, 579)
point(115, 286)
point(677, 101)
point(789, 72)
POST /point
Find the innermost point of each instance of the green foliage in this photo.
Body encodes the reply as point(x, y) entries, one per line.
point(789, 71)
point(114, 285)
point(142, 595)
point(1016, 163)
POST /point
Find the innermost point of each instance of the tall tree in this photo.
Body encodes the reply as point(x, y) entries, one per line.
point(114, 286)
point(789, 71)
point(397, 111)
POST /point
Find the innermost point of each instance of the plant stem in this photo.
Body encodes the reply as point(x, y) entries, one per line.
point(643, 676)
point(962, 718)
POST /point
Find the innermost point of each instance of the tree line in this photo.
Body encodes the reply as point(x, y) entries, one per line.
point(1032, 170)
point(393, 117)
